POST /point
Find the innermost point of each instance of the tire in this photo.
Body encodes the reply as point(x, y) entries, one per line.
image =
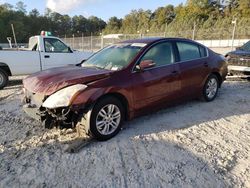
point(4, 79)
point(210, 89)
point(109, 113)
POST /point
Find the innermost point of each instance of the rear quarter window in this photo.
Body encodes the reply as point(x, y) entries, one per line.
point(189, 51)
point(203, 51)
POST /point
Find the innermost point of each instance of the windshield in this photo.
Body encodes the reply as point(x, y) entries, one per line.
point(246, 46)
point(114, 57)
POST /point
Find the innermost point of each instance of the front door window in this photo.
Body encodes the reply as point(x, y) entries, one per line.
point(161, 54)
point(55, 45)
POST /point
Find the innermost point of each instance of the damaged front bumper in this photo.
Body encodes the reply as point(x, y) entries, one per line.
point(239, 70)
point(32, 111)
point(239, 66)
point(63, 117)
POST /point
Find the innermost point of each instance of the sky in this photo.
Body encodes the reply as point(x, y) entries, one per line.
point(101, 8)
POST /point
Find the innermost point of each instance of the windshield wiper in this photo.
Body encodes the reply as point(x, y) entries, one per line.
point(93, 66)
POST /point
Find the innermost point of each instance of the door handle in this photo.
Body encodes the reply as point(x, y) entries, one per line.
point(175, 72)
point(205, 64)
point(46, 56)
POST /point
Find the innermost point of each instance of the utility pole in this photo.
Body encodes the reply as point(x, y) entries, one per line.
point(102, 40)
point(194, 29)
point(165, 32)
point(140, 33)
point(14, 35)
point(82, 41)
point(91, 42)
point(233, 35)
point(73, 41)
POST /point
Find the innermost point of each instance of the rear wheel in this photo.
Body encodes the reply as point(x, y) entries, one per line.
point(3, 79)
point(104, 120)
point(210, 88)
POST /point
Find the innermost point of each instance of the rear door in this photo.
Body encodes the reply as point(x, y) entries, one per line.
point(56, 54)
point(194, 66)
point(157, 84)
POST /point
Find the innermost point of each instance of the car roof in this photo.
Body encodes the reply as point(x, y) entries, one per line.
point(143, 40)
point(155, 39)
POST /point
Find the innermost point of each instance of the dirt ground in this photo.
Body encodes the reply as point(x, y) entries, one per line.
point(195, 144)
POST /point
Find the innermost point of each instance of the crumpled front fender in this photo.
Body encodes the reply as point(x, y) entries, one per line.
point(87, 97)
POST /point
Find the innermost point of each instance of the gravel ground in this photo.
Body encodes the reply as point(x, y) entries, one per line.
point(195, 144)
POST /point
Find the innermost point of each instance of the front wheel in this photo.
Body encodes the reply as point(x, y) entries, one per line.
point(104, 120)
point(210, 88)
point(3, 79)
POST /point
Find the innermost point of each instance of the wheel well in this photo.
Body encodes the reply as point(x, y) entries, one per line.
point(5, 68)
point(121, 98)
point(219, 77)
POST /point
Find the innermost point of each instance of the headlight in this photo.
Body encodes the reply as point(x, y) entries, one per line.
point(227, 57)
point(63, 97)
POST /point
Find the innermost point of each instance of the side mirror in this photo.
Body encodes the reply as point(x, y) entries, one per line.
point(79, 64)
point(239, 48)
point(145, 64)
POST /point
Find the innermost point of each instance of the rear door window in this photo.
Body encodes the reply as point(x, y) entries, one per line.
point(189, 51)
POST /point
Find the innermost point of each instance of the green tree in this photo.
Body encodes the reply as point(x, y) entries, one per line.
point(130, 23)
point(7, 6)
point(20, 6)
point(175, 21)
point(34, 13)
point(113, 25)
point(244, 7)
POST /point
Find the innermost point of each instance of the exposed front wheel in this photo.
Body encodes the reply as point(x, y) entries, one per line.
point(210, 88)
point(3, 79)
point(104, 120)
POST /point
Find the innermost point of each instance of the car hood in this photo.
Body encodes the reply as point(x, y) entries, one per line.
point(51, 80)
point(239, 53)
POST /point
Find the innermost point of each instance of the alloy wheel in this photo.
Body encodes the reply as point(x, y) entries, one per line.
point(212, 87)
point(108, 119)
point(1, 79)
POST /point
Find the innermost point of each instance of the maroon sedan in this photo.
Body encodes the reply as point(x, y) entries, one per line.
point(123, 81)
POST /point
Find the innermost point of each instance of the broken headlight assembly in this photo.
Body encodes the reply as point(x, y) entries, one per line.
point(63, 97)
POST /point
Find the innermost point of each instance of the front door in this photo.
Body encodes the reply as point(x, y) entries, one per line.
point(159, 83)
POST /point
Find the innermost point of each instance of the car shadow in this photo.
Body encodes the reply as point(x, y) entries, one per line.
point(14, 87)
point(15, 82)
point(132, 158)
point(192, 112)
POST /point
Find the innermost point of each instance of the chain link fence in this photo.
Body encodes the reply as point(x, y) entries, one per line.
point(95, 43)
point(209, 37)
